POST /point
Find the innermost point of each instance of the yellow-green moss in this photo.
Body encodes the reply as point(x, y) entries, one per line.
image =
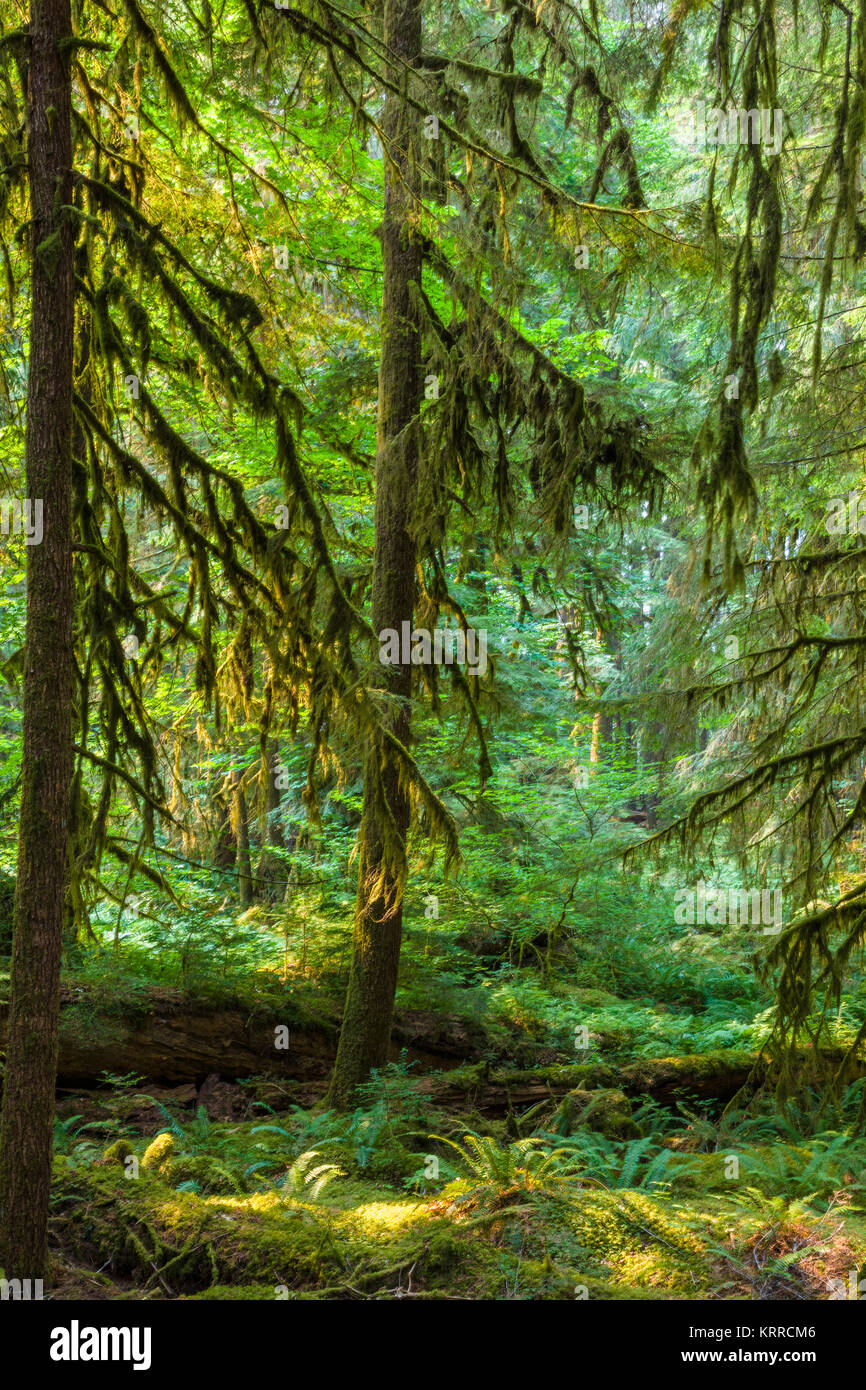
point(361, 1237)
point(651, 1073)
point(158, 1155)
point(639, 1240)
point(587, 1074)
point(192, 1241)
point(118, 1152)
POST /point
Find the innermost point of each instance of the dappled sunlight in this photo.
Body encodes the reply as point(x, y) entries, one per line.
point(433, 699)
point(384, 1218)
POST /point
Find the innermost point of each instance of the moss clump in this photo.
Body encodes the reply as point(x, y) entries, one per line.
point(697, 1172)
point(118, 1152)
point(158, 1155)
point(607, 1111)
point(655, 1073)
point(585, 1074)
point(443, 1253)
point(193, 1241)
point(544, 1279)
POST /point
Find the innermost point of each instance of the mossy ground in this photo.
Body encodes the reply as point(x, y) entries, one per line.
point(380, 1205)
point(613, 1174)
point(372, 1243)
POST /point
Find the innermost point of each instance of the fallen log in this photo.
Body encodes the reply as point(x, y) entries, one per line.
point(168, 1039)
point(707, 1075)
point(171, 1040)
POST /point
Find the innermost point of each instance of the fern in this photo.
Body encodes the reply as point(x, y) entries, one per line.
point(299, 1179)
point(523, 1166)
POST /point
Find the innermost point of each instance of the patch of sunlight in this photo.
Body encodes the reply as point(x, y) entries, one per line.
point(385, 1217)
point(256, 1203)
point(656, 1270)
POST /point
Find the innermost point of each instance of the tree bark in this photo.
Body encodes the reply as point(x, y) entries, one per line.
point(273, 828)
point(224, 851)
point(378, 914)
point(80, 851)
point(270, 869)
point(241, 827)
point(31, 1058)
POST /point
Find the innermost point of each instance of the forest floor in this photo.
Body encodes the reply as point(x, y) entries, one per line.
point(519, 1173)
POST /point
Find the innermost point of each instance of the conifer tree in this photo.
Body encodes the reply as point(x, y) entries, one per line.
point(505, 422)
point(147, 320)
point(31, 1052)
point(788, 589)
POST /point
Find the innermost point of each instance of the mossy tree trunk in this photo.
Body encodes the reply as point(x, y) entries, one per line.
point(241, 826)
point(271, 869)
point(273, 829)
point(31, 1051)
point(82, 848)
point(369, 1006)
point(224, 849)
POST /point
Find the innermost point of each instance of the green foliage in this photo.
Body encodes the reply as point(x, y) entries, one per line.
point(675, 682)
point(306, 1182)
point(525, 1168)
point(67, 1132)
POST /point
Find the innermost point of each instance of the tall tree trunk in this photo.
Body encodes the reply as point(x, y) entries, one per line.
point(31, 1051)
point(241, 827)
point(602, 724)
point(270, 869)
point(653, 744)
point(223, 849)
point(273, 827)
point(80, 851)
point(369, 1007)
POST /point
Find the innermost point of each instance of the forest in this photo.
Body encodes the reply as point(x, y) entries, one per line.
point(433, 652)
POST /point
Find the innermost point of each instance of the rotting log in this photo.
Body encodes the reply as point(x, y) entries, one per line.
point(169, 1039)
point(704, 1076)
point(165, 1037)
